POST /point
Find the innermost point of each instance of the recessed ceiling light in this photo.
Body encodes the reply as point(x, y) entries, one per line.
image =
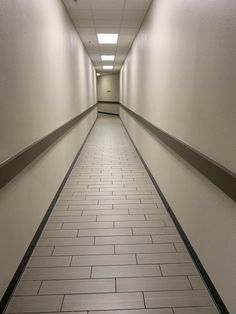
point(107, 67)
point(108, 58)
point(107, 38)
point(98, 74)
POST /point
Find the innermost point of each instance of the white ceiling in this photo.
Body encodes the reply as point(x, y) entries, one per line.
point(107, 16)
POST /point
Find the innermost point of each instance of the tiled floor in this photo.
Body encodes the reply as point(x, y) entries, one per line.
point(109, 246)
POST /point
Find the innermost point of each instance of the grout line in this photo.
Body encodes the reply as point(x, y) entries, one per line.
point(190, 282)
point(62, 303)
point(39, 287)
point(71, 258)
point(144, 300)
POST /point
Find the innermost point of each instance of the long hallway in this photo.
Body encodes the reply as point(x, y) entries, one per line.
point(109, 245)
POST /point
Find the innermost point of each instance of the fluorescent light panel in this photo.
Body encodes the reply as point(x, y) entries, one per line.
point(107, 38)
point(107, 67)
point(107, 58)
point(98, 74)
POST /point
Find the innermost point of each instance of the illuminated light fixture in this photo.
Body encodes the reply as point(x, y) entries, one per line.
point(107, 67)
point(108, 58)
point(107, 38)
point(98, 74)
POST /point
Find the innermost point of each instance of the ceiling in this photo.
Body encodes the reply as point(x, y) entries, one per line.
point(123, 17)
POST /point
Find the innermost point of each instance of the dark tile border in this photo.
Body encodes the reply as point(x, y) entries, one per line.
point(214, 293)
point(113, 114)
point(11, 167)
point(108, 102)
point(220, 176)
point(6, 297)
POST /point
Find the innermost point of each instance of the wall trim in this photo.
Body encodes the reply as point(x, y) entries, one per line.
point(214, 293)
point(222, 177)
point(113, 114)
point(108, 102)
point(12, 166)
point(6, 297)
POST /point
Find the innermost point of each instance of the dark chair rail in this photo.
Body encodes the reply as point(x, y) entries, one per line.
point(220, 176)
point(11, 167)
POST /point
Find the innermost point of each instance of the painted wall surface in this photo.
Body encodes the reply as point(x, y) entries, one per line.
point(109, 108)
point(46, 80)
point(180, 75)
point(46, 76)
point(108, 87)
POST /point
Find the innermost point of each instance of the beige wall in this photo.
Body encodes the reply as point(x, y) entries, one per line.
point(106, 83)
point(109, 108)
point(46, 79)
point(180, 75)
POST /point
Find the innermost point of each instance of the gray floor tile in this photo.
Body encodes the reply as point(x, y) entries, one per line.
point(163, 258)
point(77, 286)
point(139, 224)
point(103, 197)
point(152, 284)
point(104, 301)
point(157, 216)
point(35, 304)
point(62, 213)
point(123, 240)
point(119, 202)
point(53, 226)
point(27, 288)
point(104, 260)
point(197, 282)
point(99, 193)
point(87, 225)
point(52, 261)
point(142, 311)
point(177, 298)
point(146, 211)
point(59, 312)
point(47, 273)
point(121, 217)
point(89, 207)
point(43, 251)
point(180, 247)
point(77, 202)
point(65, 241)
point(196, 310)
point(178, 269)
point(73, 219)
point(105, 232)
point(60, 207)
point(134, 206)
point(144, 248)
point(105, 212)
point(166, 238)
point(155, 231)
point(83, 250)
point(59, 234)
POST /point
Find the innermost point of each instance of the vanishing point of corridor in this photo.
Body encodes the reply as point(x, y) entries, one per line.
point(109, 245)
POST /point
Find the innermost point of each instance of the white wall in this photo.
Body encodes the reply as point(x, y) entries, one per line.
point(108, 87)
point(46, 80)
point(180, 75)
